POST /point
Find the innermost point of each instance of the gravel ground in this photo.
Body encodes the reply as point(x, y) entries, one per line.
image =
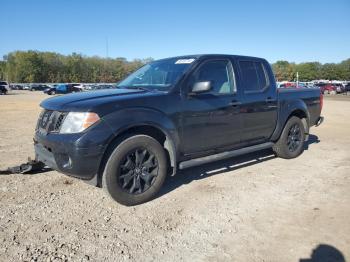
point(253, 208)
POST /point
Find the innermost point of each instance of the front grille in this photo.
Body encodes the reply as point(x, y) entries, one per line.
point(59, 121)
point(50, 121)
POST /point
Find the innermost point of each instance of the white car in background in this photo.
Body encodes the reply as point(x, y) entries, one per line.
point(26, 87)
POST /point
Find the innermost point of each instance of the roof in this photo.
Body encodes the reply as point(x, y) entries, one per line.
point(238, 57)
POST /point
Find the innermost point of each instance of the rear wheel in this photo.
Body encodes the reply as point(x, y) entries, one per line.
point(135, 170)
point(291, 142)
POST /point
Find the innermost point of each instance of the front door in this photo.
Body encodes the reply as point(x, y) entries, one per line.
point(211, 120)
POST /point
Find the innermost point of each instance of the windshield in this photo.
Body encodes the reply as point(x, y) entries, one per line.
point(160, 75)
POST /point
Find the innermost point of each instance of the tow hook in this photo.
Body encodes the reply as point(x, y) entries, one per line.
point(32, 166)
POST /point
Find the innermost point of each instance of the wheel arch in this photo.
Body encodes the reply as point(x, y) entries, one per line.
point(304, 119)
point(151, 129)
point(296, 108)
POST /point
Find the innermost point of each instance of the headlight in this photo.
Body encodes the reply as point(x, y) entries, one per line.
point(76, 122)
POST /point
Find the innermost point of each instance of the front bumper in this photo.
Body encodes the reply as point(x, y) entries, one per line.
point(77, 155)
point(45, 156)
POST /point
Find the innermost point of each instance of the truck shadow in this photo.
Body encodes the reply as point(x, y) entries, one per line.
point(313, 139)
point(186, 176)
point(325, 253)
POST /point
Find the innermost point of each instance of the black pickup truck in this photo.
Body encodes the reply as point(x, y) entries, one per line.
point(173, 114)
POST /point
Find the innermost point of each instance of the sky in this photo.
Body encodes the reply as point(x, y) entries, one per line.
point(296, 31)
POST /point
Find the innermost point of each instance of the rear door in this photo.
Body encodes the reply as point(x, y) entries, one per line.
point(259, 101)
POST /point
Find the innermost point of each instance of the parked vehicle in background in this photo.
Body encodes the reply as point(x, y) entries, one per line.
point(104, 86)
point(89, 87)
point(51, 90)
point(38, 87)
point(347, 88)
point(292, 85)
point(173, 114)
point(4, 87)
point(340, 88)
point(311, 86)
point(327, 88)
point(19, 87)
point(286, 84)
point(3, 90)
point(301, 85)
point(68, 88)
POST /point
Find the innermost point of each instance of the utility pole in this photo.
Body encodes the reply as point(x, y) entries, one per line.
point(297, 79)
point(105, 63)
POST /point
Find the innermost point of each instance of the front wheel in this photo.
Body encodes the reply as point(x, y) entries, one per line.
point(135, 170)
point(291, 142)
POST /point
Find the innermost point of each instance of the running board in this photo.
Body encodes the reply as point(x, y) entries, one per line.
point(223, 155)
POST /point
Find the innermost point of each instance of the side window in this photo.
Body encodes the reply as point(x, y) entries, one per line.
point(254, 76)
point(219, 73)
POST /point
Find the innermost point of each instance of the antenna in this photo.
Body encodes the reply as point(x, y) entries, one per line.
point(106, 47)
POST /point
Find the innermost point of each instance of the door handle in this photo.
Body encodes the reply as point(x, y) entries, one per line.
point(270, 100)
point(235, 103)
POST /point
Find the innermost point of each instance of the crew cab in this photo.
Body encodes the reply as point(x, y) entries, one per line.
point(169, 115)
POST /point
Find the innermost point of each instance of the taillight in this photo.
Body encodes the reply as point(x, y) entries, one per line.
point(321, 100)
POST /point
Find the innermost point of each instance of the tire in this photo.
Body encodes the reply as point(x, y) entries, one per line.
point(291, 142)
point(130, 181)
point(53, 93)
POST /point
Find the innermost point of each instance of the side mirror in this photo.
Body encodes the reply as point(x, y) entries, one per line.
point(201, 87)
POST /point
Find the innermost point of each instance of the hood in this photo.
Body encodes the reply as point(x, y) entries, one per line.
point(87, 101)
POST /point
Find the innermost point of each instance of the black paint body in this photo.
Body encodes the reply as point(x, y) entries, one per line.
point(194, 125)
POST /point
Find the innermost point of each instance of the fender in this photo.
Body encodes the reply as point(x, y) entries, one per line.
point(126, 118)
point(286, 109)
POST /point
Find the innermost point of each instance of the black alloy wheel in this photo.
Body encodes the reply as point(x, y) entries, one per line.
point(294, 138)
point(138, 171)
point(291, 142)
point(135, 170)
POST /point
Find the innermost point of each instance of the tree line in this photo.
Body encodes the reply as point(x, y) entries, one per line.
point(286, 71)
point(50, 67)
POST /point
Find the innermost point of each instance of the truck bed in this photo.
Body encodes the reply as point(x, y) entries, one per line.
point(301, 97)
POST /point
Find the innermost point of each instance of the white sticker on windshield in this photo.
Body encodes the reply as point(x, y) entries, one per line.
point(184, 61)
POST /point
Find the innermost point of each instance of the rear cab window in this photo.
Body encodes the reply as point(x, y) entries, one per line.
point(254, 76)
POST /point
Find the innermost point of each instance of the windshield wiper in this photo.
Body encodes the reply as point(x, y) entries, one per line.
point(134, 87)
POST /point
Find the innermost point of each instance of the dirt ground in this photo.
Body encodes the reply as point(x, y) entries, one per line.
point(252, 208)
